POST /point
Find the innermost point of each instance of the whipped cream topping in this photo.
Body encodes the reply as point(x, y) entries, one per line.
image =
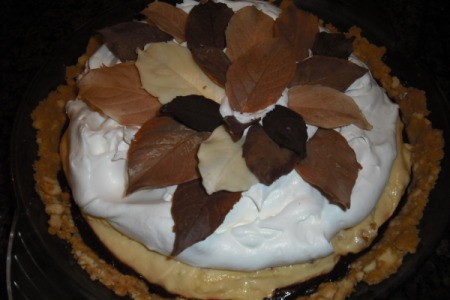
point(285, 223)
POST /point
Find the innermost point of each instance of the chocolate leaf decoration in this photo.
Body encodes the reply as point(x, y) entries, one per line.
point(248, 27)
point(326, 107)
point(330, 166)
point(196, 214)
point(168, 70)
point(162, 153)
point(299, 28)
point(124, 38)
point(194, 111)
point(221, 164)
point(235, 128)
point(287, 128)
point(333, 44)
point(265, 158)
point(168, 18)
point(256, 79)
point(116, 91)
point(214, 62)
point(206, 25)
point(327, 71)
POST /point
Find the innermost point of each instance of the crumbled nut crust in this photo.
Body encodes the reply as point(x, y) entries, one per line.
point(384, 259)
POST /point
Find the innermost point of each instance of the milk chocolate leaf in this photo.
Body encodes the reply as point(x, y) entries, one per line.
point(214, 62)
point(117, 92)
point(162, 153)
point(248, 27)
point(326, 107)
point(299, 28)
point(327, 71)
point(265, 158)
point(168, 70)
point(194, 111)
point(256, 79)
point(124, 38)
point(287, 128)
point(330, 166)
point(168, 18)
point(235, 128)
point(332, 44)
point(196, 214)
point(221, 164)
point(206, 25)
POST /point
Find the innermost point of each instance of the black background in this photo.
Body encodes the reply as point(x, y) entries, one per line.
point(32, 29)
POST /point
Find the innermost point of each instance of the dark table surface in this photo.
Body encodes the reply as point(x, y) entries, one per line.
point(31, 29)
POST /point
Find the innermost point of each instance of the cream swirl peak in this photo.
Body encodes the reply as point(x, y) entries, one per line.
point(285, 223)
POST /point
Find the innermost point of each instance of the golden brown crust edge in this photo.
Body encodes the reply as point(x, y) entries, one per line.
point(385, 257)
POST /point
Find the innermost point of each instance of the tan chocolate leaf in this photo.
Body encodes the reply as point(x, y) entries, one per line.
point(168, 70)
point(168, 18)
point(247, 27)
point(117, 92)
point(330, 166)
point(221, 164)
point(265, 158)
point(299, 28)
point(327, 71)
point(162, 153)
point(196, 214)
point(256, 79)
point(326, 107)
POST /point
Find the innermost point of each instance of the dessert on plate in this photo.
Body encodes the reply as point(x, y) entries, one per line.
point(234, 150)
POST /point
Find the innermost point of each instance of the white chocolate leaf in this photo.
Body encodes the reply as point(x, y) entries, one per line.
point(168, 70)
point(221, 164)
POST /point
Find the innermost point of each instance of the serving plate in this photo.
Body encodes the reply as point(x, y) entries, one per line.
point(40, 266)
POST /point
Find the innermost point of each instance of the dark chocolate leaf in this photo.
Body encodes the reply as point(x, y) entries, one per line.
point(327, 71)
point(162, 153)
point(235, 128)
point(287, 128)
point(299, 28)
point(256, 79)
point(265, 158)
point(124, 38)
point(330, 166)
point(214, 62)
point(196, 214)
point(168, 18)
point(333, 44)
point(206, 25)
point(194, 111)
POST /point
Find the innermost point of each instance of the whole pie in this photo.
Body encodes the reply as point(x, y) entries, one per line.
point(236, 150)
